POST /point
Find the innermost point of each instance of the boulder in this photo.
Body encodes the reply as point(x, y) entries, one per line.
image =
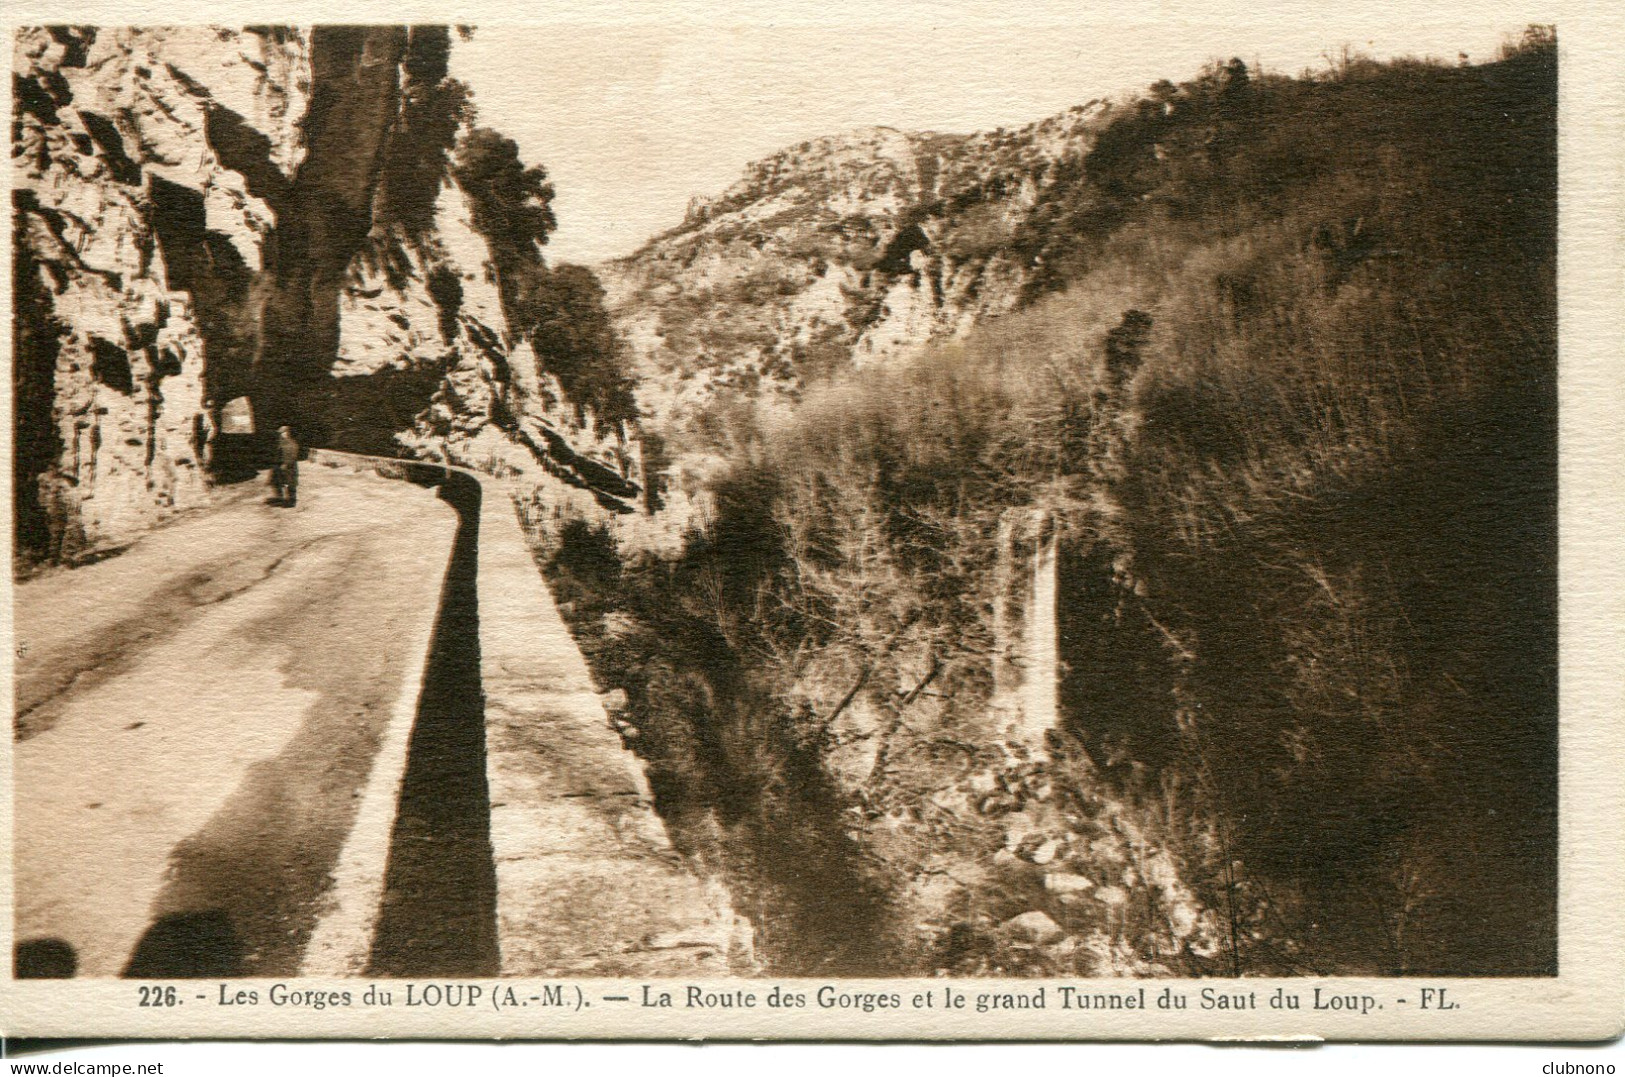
point(1034, 927)
point(1066, 882)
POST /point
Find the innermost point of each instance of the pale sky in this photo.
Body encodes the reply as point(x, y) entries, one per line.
point(631, 121)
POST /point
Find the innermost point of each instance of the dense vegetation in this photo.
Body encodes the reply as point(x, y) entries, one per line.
point(560, 309)
point(1286, 392)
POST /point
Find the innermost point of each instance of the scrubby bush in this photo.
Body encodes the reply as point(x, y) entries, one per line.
point(563, 315)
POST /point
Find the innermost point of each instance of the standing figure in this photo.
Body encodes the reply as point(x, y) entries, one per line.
point(285, 475)
point(206, 428)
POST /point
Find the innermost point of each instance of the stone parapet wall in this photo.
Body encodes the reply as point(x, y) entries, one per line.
point(587, 880)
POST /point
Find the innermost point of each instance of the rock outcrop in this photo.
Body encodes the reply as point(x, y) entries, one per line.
point(135, 243)
point(427, 362)
point(845, 250)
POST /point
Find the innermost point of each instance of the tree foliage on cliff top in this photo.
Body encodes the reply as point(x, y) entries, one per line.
point(511, 202)
point(560, 310)
point(574, 340)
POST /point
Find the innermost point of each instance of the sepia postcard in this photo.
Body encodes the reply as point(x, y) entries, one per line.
point(794, 522)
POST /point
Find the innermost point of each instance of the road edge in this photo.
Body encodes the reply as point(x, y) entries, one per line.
point(341, 942)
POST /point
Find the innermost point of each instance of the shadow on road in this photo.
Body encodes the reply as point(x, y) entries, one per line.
point(193, 945)
point(439, 914)
point(44, 959)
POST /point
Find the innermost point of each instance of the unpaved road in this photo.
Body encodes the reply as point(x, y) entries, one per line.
point(198, 720)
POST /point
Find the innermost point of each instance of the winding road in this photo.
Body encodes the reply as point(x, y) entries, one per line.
point(199, 719)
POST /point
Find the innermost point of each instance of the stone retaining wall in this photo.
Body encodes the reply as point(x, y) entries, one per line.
point(588, 883)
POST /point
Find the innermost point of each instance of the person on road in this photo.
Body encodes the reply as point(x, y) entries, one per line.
point(285, 474)
point(205, 429)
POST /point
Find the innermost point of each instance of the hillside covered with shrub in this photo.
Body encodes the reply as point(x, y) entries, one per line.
point(1274, 380)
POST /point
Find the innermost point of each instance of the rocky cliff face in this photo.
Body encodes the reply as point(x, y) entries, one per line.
point(132, 239)
point(841, 251)
point(426, 361)
point(214, 213)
